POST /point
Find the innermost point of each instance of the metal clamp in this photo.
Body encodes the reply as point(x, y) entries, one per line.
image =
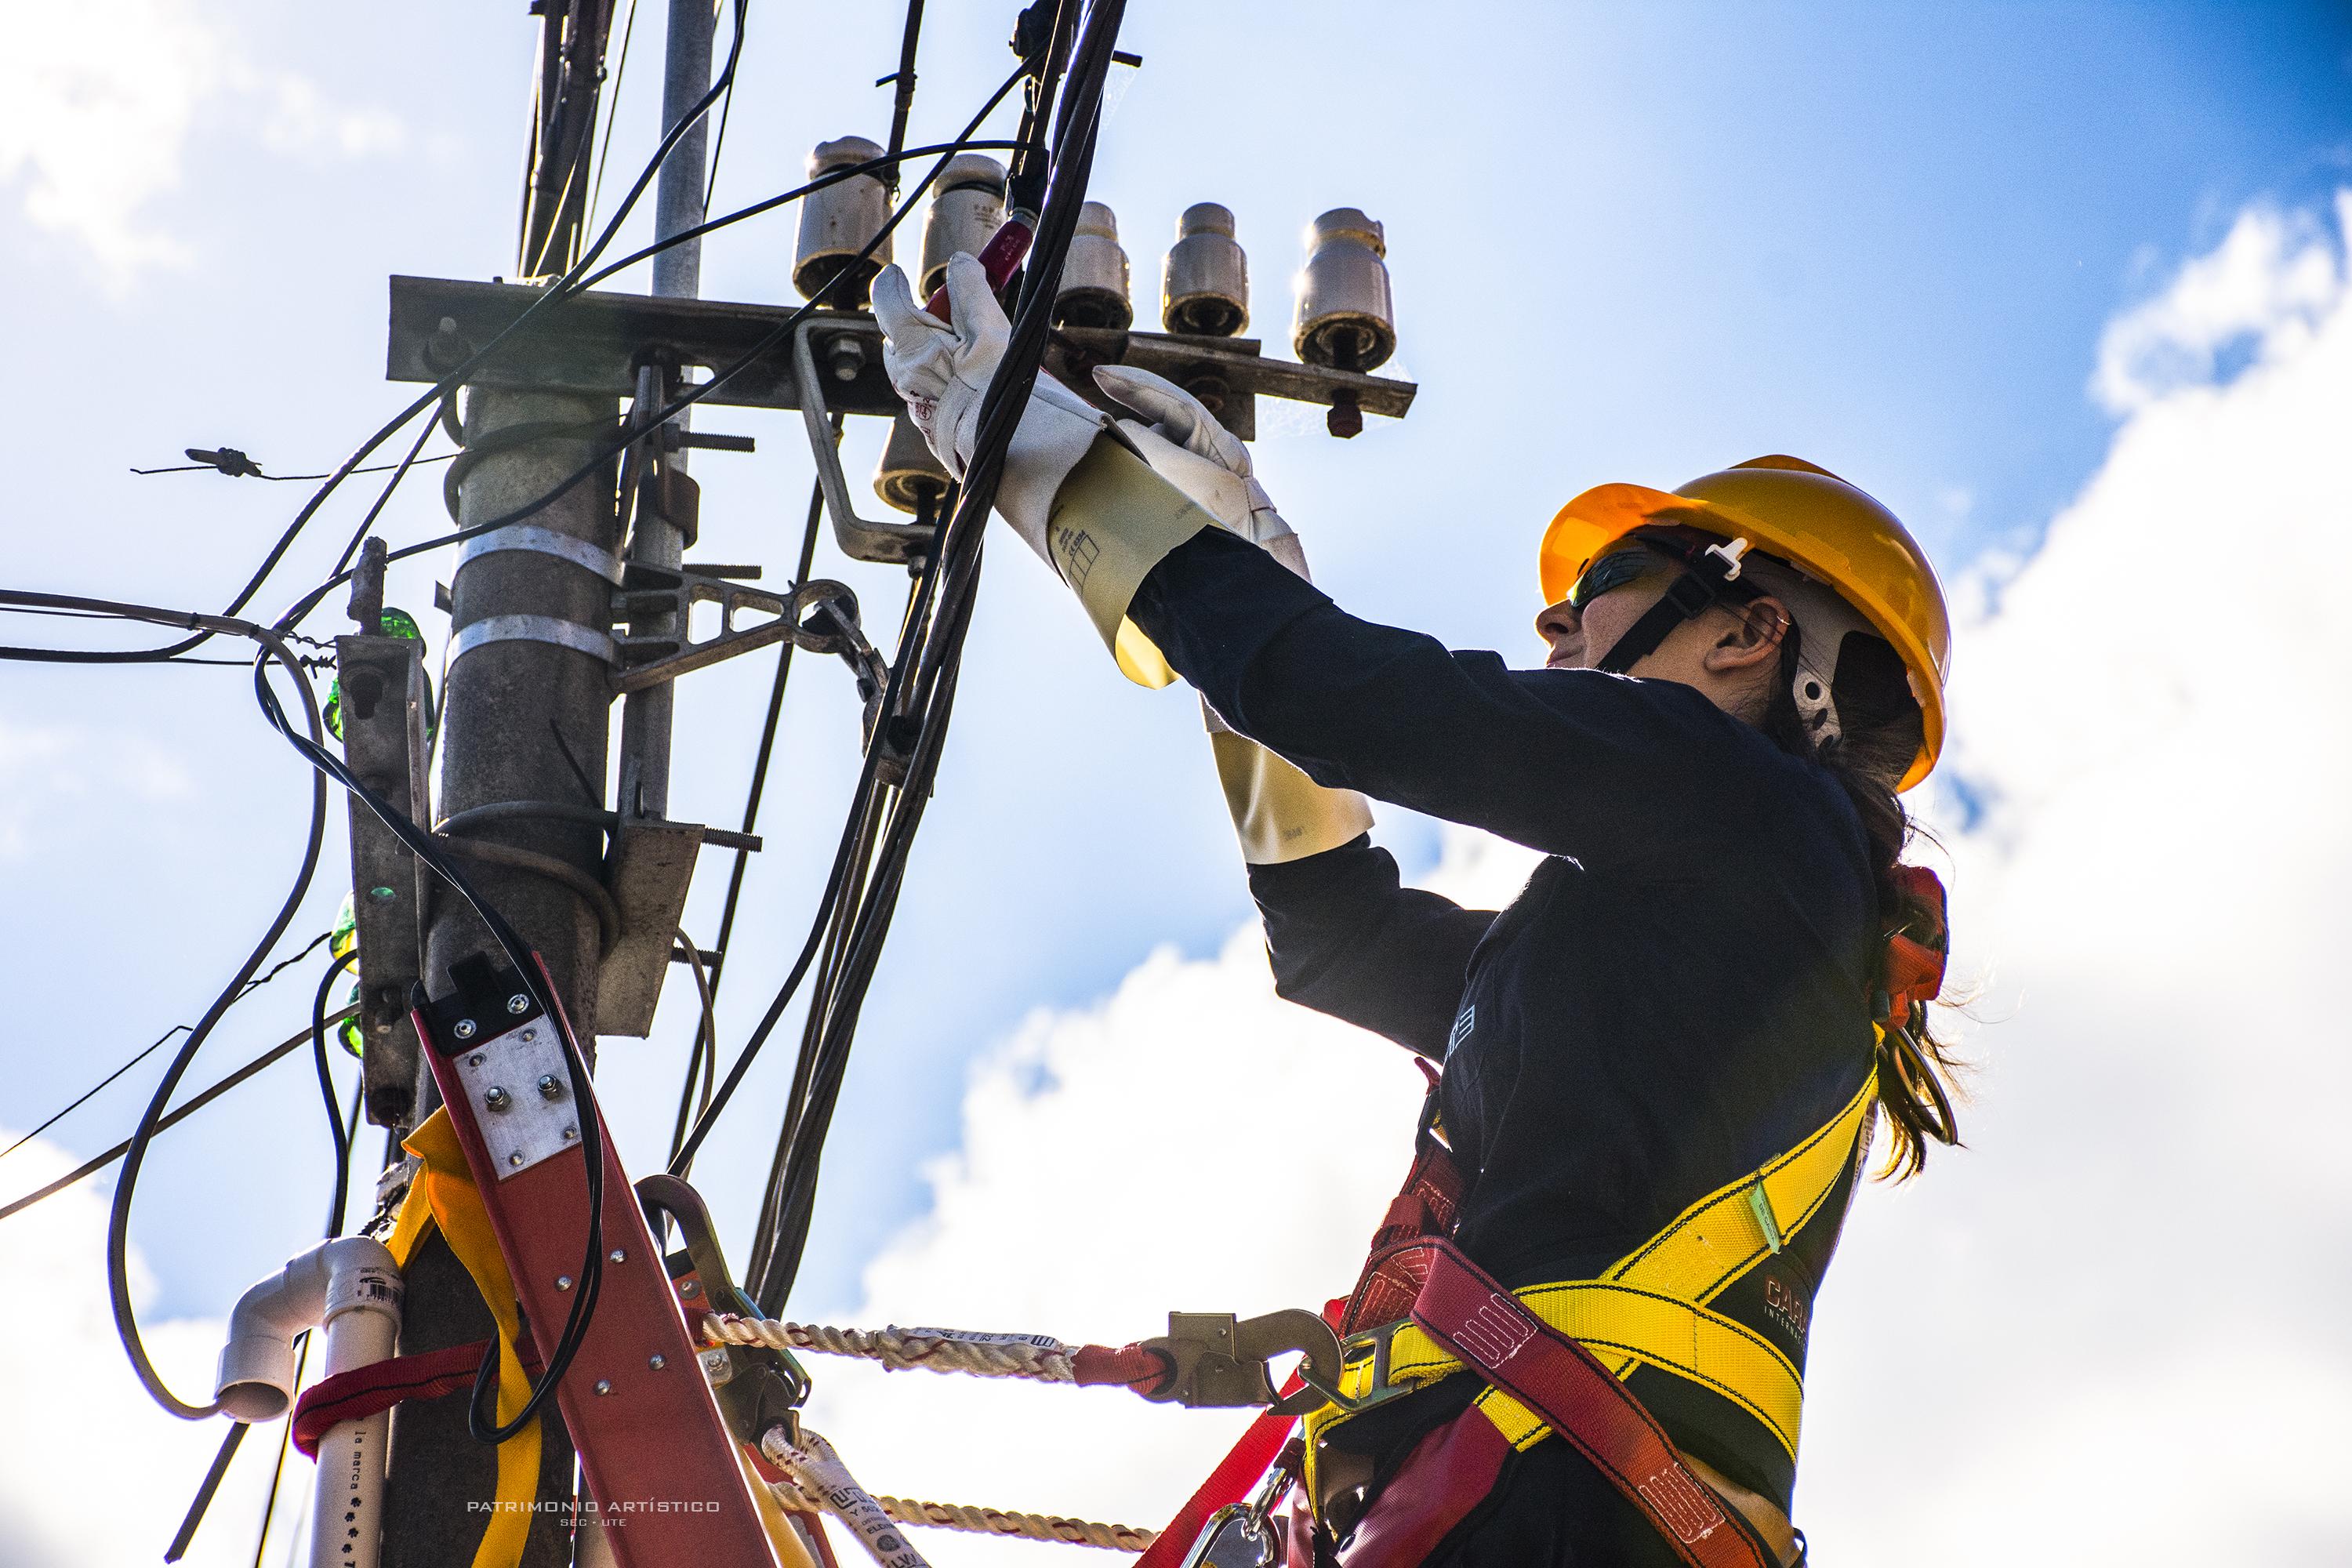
point(544, 542)
point(759, 1388)
point(1371, 1345)
point(533, 628)
point(1218, 1361)
point(859, 539)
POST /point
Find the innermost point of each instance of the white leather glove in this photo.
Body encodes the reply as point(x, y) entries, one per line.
point(943, 371)
point(1185, 445)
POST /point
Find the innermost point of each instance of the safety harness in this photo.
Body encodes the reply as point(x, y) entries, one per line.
point(1554, 1355)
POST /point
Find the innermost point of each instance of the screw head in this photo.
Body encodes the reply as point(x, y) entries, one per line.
point(604, 1386)
point(497, 1099)
point(531, 1034)
point(570, 1133)
point(475, 1060)
point(657, 1362)
point(515, 1157)
point(463, 1029)
point(618, 1255)
point(691, 1287)
point(518, 1004)
point(563, 1281)
point(549, 1087)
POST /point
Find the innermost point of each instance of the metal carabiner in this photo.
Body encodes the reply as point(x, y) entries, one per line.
point(1363, 1345)
point(1242, 1534)
point(759, 1387)
point(1217, 1360)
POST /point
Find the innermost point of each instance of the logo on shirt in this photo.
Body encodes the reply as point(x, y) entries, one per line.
point(1463, 1022)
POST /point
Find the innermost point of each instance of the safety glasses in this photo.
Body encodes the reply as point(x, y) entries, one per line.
point(1615, 569)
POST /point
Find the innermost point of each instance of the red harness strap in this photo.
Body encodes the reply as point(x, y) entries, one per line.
point(360, 1393)
point(1492, 1331)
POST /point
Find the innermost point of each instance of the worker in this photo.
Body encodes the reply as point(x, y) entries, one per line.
point(1669, 1051)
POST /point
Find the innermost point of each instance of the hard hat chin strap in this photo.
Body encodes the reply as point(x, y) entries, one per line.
point(1709, 576)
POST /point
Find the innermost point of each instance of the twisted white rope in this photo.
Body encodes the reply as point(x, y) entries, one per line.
point(1035, 1357)
point(818, 1482)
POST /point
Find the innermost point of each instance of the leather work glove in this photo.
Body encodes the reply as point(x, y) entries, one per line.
point(1279, 814)
point(943, 373)
point(1208, 462)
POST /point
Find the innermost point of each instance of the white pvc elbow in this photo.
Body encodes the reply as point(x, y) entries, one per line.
point(351, 1274)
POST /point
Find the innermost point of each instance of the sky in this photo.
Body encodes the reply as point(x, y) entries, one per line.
point(2065, 285)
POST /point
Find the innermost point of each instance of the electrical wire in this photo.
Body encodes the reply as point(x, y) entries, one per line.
point(455, 378)
point(933, 667)
point(343, 961)
point(612, 114)
point(250, 987)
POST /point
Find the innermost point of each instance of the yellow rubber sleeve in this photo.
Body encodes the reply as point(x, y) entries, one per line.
point(1113, 521)
point(1279, 812)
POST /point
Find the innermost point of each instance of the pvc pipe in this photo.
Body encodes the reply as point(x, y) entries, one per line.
point(351, 1289)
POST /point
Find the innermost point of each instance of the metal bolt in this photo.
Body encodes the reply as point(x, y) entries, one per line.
point(691, 1287)
point(464, 1029)
point(518, 1004)
point(531, 1034)
point(847, 356)
point(549, 1087)
point(475, 1060)
point(496, 1097)
point(570, 1133)
point(619, 1256)
point(604, 1386)
point(657, 1362)
point(563, 1281)
point(515, 1157)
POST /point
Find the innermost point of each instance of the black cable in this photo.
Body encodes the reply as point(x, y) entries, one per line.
point(343, 961)
point(250, 987)
point(790, 1199)
point(187, 1534)
point(399, 472)
point(455, 378)
point(902, 94)
point(766, 754)
point(611, 112)
point(278, 479)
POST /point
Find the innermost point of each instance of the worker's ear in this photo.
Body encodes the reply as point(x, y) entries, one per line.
point(1748, 636)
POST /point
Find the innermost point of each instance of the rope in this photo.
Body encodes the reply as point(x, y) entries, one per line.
point(1038, 1358)
point(985, 1520)
point(816, 1481)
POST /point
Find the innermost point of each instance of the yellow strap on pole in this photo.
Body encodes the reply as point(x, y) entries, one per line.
point(443, 1195)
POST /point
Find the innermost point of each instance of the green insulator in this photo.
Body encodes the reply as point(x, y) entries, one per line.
point(344, 934)
point(348, 1031)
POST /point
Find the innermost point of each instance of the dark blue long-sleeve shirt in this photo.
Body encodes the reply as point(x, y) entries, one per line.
point(1678, 994)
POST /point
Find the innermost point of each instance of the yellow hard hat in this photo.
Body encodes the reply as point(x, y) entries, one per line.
point(1812, 519)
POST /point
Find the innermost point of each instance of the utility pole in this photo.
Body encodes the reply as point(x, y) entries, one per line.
point(526, 723)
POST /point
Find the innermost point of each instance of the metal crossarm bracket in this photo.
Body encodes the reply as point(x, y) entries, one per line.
point(859, 539)
point(820, 616)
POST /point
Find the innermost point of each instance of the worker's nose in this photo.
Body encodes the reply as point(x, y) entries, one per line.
point(1558, 622)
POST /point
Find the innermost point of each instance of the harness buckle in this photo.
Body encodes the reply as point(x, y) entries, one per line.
point(1365, 1344)
point(1218, 1360)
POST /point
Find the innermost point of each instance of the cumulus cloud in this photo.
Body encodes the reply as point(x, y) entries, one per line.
point(77, 1487)
point(98, 101)
point(2107, 1332)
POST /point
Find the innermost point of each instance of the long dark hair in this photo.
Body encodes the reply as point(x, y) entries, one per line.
point(1879, 734)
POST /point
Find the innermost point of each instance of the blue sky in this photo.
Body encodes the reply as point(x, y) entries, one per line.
point(1628, 242)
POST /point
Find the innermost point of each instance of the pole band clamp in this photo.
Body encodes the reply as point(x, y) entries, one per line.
point(545, 542)
point(534, 628)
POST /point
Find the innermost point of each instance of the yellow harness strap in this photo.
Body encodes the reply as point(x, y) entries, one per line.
point(443, 1195)
point(1651, 1305)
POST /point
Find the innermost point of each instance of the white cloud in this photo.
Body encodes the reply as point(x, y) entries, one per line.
point(98, 101)
point(2126, 1294)
point(2263, 289)
point(43, 767)
point(89, 1472)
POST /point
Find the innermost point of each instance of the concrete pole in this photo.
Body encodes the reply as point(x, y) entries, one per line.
point(514, 709)
point(647, 716)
